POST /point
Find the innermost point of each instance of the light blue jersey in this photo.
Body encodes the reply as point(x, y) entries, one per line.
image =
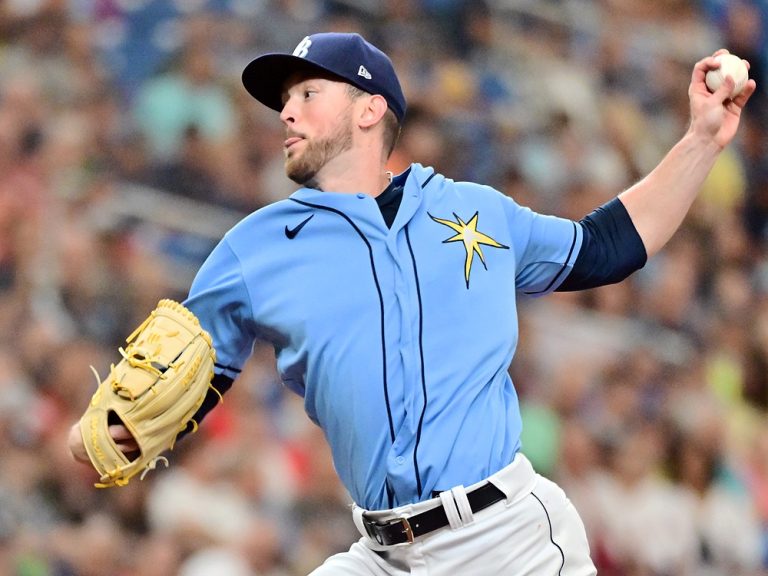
point(398, 339)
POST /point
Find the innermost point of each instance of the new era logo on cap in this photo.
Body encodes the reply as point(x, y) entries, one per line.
point(364, 73)
point(347, 56)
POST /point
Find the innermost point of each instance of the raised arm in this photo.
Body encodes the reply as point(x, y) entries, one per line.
point(658, 203)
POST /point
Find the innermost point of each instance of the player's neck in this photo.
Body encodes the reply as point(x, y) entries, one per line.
point(353, 172)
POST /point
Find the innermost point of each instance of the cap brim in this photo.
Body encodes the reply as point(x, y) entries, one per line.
point(264, 78)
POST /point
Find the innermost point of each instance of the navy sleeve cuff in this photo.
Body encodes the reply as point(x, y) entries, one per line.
point(610, 251)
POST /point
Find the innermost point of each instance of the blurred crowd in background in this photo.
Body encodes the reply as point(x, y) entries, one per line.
point(128, 146)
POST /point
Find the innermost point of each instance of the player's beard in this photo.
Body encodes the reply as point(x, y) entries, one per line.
point(303, 168)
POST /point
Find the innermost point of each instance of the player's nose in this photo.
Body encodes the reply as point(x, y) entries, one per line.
point(288, 113)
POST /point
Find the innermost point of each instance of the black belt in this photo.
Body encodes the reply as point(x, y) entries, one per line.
point(404, 530)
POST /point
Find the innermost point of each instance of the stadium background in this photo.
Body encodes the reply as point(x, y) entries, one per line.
point(127, 147)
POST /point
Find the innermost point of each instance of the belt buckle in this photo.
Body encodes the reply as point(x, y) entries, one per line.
point(402, 522)
point(407, 530)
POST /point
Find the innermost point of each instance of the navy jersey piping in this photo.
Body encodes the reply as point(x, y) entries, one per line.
point(416, 470)
point(421, 359)
point(381, 303)
point(228, 368)
point(427, 180)
point(563, 269)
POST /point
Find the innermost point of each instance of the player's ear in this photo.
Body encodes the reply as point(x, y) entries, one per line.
point(372, 109)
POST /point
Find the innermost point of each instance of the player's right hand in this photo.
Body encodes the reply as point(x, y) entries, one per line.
point(714, 115)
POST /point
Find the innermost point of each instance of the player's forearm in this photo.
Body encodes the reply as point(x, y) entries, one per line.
point(659, 202)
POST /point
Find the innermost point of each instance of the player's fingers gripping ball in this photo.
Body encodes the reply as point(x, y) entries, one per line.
point(161, 381)
point(730, 65)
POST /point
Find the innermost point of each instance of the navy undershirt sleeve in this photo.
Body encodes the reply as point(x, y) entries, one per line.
point(610, 251)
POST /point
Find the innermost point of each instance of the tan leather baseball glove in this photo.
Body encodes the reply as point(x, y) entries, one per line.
point(153, 391)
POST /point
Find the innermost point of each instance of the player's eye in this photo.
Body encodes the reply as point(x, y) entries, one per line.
point(309, 93)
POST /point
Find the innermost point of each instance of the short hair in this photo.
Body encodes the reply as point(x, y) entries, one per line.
point(391, 125)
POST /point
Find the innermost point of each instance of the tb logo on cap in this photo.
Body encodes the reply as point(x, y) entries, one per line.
point(303, 48)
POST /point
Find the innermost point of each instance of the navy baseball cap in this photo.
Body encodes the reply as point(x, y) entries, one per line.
point(347, 56)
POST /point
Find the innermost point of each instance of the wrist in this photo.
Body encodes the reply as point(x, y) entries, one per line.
point(703, 142)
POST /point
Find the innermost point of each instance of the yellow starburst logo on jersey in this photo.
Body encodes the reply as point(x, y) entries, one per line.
point(472, 238)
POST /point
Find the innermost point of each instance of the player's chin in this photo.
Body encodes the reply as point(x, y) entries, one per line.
point(299, 172)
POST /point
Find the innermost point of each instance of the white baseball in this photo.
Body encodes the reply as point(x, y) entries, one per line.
point(730, 65)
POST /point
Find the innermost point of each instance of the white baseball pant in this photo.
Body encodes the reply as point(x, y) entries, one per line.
point(536, 531)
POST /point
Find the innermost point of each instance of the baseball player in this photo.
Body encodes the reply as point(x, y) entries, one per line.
point(390, 301)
